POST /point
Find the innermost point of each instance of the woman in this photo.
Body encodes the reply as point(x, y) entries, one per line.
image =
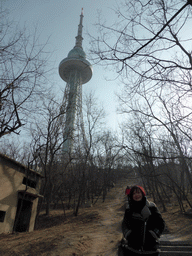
point(142, 224)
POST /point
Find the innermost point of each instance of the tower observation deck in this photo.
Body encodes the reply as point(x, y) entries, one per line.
point(75, 70)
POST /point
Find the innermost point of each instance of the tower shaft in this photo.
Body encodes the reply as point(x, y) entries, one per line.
point(74, 107)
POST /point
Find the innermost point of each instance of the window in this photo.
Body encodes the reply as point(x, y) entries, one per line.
point(2, 216)
point(29, 182)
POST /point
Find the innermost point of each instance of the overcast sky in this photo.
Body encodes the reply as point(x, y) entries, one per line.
point(59, 19)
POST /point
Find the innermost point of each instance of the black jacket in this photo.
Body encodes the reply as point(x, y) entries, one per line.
point(143, 227)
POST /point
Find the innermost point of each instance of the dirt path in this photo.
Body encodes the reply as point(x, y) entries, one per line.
point(100, 237)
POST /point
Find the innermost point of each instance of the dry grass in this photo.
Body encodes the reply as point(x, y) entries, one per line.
point(179, 224)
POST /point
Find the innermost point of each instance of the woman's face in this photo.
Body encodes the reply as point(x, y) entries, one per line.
point(137, 195)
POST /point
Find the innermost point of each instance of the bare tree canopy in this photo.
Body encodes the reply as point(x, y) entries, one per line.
point(22, 70)
point(146, 44)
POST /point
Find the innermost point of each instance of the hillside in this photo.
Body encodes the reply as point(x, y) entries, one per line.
point(96, 231)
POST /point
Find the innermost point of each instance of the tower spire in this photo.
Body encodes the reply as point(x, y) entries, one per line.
point(79, 37)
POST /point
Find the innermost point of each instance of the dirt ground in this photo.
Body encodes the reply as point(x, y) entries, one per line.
point(96, 231)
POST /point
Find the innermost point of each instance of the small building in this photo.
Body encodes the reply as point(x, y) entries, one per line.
point(19, 194)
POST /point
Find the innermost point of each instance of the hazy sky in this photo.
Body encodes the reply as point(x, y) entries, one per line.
point(59, 19)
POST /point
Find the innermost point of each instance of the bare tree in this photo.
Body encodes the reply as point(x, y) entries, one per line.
point(22, 75)
point(47, 145)
point(159, 135)
point(93, 122)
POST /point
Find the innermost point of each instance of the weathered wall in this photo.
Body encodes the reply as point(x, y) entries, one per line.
point(11, 179)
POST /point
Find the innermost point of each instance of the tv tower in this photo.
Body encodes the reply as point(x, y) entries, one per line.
point(75, 70)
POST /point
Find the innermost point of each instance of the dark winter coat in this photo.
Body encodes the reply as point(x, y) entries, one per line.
point(142, 226)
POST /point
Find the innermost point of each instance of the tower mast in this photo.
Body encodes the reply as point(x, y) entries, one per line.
point(75, 70)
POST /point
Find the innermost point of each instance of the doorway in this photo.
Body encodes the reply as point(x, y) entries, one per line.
point(23, 215)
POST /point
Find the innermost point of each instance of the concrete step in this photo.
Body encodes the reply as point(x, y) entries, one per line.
point(172, 243)
point(175, 253)
point(176, 248)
